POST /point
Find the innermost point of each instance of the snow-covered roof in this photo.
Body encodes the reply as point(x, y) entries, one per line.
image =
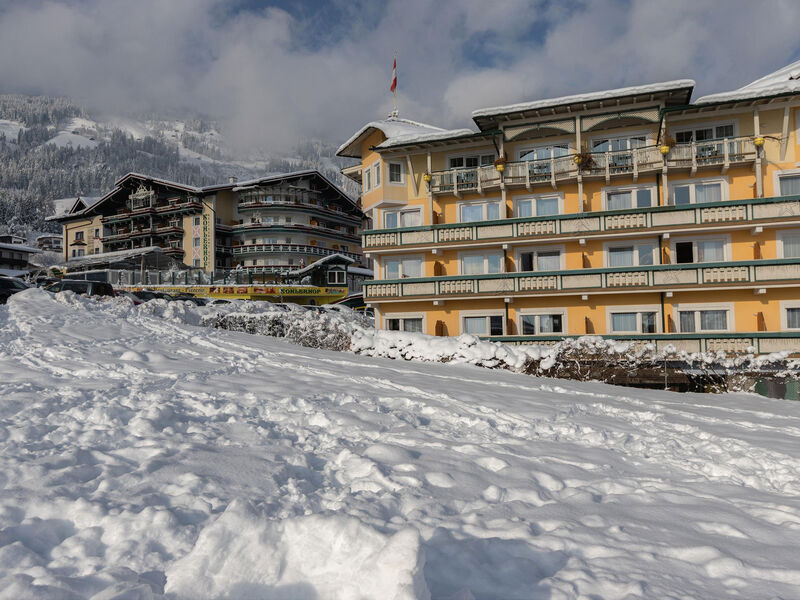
point(397, 131)
point(49, 235)
point(636, 90)
point(783, 81)
point(361, 271)
point(19, 248)
point(14, 272)
point(105, 257)
point(322, 261)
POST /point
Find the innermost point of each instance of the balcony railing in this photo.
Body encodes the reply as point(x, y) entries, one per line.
point(296, 227)
point(291, 248)
point(655, 277)
point(580, 224)
point(763, 341)
point(648, 159)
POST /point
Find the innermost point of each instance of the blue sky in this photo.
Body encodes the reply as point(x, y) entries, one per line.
point(277, 71)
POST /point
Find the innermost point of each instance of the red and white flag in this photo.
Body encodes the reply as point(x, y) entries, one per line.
point(393, 87)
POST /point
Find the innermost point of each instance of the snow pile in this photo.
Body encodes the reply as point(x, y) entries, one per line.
point(243, 555)
point(467, 349)
point(144, 458)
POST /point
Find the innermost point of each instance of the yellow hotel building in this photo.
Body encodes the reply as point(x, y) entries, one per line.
point(633, 213)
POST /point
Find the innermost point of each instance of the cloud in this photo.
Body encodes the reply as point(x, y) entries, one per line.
point(275, 74)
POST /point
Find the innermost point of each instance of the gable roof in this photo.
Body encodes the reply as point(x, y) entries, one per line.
point(680, 90)
point(397, 131)
point(784, 81)
point(94, 202)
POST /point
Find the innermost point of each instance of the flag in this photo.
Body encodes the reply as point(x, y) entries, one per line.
point(393, 87)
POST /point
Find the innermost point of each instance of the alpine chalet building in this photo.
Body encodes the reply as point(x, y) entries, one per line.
point(264, 226)
point(632, 213)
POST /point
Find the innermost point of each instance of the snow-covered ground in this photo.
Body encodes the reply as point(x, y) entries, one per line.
point(141, 456)
point(67, 138)
point(10, 129)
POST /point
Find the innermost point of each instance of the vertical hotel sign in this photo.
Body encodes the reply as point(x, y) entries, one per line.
point(205, 240)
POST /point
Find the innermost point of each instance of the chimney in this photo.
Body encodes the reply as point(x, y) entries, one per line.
point(233, 179)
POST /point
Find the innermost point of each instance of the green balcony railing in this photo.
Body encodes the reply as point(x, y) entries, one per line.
point(671, 277)
point(588, 223)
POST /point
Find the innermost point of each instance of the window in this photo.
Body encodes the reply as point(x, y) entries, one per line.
point(367, 180)
point(478, 264)
point(705, 133)
point(376, 173)
point(699, 251)
point(78, 235)
point(471, 161)
point(618, 144)
point(483, 325)
point(538, 207)
point(196, 221)
point(402, 218)
point(541, 324)
point(544, 153)
point(196, 242)
point(620, 157)
point(633, 321)
point(789, 242)
point(540, 259)
point(479, 211)
point(633, 255)
point(402, 267)
point(697, 320)
point(699, 192)
point(337, 277)
point(395, 172)
point(288, 220)
point(788, 184)
point(196, 263)
point(793, 318)
point(625, 199)
point(411, 324)
point(96, 233)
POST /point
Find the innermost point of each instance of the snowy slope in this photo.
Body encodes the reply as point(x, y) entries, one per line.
point(67, 138)
point(140, 455)
point(10, 129)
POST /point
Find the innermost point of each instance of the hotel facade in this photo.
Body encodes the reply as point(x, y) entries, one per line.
point(262, 227)
point(633, 213)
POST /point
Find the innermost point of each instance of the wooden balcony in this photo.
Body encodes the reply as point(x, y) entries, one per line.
point(718, 154)
point(756, 273)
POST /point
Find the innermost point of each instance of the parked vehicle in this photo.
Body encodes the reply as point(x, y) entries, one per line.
point(136, 299)
point(193, 299)
point(79, 286)
point(44, 281)
point(10, 286)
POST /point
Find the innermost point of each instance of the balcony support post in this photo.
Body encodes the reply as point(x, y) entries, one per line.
point(608, 168)
point(726, 163)
point(456, 193)
point(784, 133)
point(552, 170)
point(694, 157)
point(428, 164)
point(410, 168)
point(756, 133)
point(635, 158)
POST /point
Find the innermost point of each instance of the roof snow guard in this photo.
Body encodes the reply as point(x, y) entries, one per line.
point(783, 82)
point(397, 131)
point(677, 92)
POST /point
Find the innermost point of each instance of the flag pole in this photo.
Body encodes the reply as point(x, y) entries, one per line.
point(393, 87)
